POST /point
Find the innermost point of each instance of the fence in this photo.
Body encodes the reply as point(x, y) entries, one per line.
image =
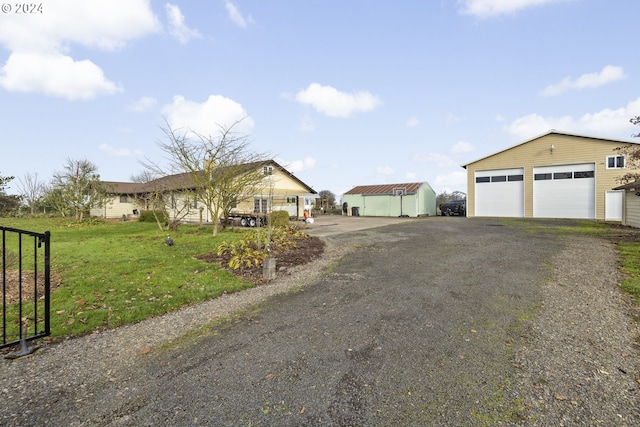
point(26, 285)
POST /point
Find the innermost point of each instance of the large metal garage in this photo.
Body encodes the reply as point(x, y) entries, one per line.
point(564, 191)
point(554, 175)
point(500, 192)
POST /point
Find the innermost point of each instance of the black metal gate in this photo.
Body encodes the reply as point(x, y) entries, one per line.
point(26, 285)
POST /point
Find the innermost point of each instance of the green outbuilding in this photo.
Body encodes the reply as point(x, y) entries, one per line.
point(390, 200)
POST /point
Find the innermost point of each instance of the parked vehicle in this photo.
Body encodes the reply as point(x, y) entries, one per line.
point(454, 207)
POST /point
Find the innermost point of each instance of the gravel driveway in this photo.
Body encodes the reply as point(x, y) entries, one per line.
point(442, 321)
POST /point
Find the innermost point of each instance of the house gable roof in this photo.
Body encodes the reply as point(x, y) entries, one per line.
point(385, 189)
point(552, 132)
point(184, 181)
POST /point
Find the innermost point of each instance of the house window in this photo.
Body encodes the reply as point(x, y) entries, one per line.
point(291, 199)
point(615, 162)
point(259, 205)
point(268, 170)
point(124, 198)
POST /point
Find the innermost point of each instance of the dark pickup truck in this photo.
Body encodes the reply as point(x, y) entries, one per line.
point(454, 207)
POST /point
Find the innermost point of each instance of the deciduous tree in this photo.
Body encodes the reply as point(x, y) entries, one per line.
point(76, 188)
point(631, 154)
point(220, 169)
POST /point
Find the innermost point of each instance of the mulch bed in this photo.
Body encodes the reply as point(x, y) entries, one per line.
point(12, 290)
point(306, 249)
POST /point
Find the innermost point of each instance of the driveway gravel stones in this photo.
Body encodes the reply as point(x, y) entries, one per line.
point(440, 321)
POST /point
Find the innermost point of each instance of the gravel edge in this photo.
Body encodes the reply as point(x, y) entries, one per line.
point(583, 366)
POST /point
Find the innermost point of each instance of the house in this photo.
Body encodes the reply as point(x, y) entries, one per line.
point(410, 199)
point(554, 175)
point(279, 190)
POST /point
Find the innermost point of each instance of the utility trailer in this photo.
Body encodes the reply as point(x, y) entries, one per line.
point(248, 219)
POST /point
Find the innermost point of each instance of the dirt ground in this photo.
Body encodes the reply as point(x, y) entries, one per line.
point(306, 249)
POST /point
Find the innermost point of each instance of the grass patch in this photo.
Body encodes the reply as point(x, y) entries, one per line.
point(116, 273)
point(630, 265)
point(626, 239)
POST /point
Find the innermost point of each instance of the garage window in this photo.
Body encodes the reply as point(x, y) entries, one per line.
point(584, 174)
point(499, 178)
point(563, 175)
point(615, 162)
point(515, 178)
point(542, 176)
point(483, 179)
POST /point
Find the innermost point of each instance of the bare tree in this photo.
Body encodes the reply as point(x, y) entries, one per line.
point(77, 188)
point(32, 190)
point(632, 157)
point(220, 170)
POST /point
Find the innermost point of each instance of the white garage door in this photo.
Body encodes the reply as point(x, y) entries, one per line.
point(499, 192)
point(566, 191)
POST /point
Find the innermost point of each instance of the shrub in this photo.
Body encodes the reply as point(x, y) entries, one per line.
point(148, 216)
point(279, 219)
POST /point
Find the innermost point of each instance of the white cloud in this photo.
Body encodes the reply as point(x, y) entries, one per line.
point(119, 152)
point(298, 166)
point(453, 181)
point(45, 43)
point(142, 104)
point(236, 17)
point(385, 170)
point(412, 122)
point(608, 74)
point(207, 118)
point(177, 26)
point(461, 147)
point(330, 101)
point(307, 124)
point(451, 119)
point(440, 160)
point(445, 160)
point(489, 8)
point(604, 122)
point(55, 74)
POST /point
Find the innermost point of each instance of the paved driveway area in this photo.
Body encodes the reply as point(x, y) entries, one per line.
point(419, 325)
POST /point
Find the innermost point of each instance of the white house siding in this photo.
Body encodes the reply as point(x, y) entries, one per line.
point(114, 208)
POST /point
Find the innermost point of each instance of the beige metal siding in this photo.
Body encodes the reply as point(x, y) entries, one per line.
point(631, 214)
point(567, 149)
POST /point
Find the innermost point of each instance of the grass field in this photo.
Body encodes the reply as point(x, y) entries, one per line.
point(115, 273)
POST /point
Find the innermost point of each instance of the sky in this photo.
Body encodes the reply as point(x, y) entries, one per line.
point(341, 93)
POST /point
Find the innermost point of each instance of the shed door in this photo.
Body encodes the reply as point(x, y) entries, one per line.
point(566, 191)
point(499, 192)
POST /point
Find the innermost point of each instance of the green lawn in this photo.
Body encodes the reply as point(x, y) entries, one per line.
point(115, 273)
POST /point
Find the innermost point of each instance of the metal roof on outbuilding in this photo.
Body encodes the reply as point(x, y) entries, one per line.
point(385, 189)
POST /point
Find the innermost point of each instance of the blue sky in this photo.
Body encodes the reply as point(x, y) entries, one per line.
point(342, 93)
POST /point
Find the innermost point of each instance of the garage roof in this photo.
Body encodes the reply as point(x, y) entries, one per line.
point(556, 132)
point(388, 189)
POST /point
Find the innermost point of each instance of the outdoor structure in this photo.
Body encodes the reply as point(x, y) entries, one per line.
point(279, 190)
point(554, 175)
point(630, 203)
point(410, 199)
